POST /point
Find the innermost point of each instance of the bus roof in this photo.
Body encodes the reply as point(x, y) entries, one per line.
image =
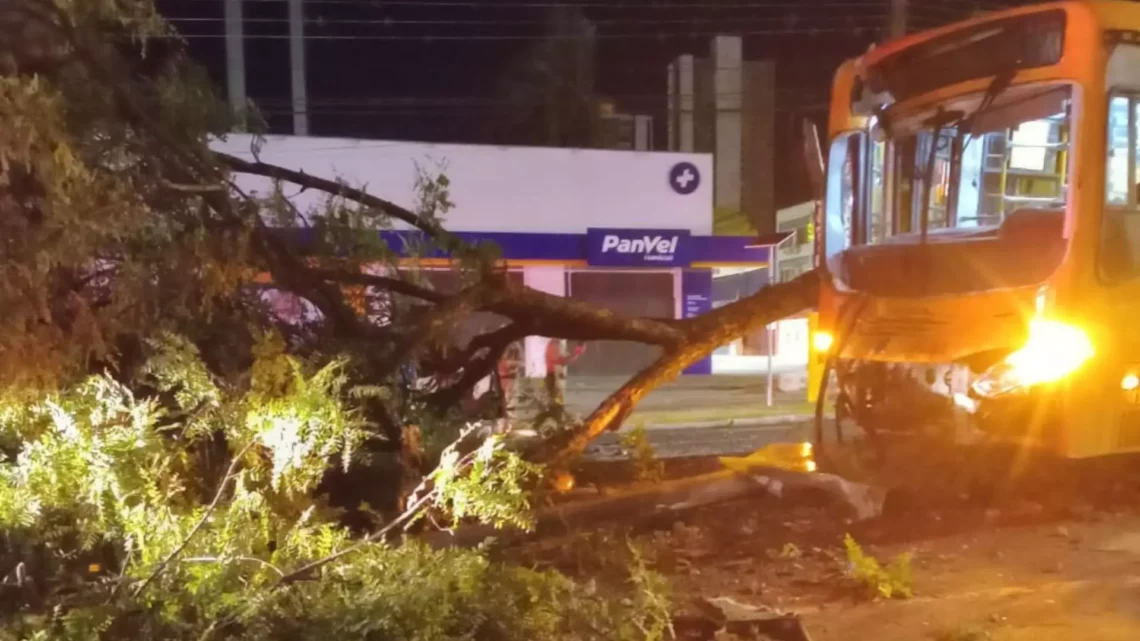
point(1088, 17)
point(1109, 14)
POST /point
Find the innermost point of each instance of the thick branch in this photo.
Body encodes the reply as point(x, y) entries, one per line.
point(672, 498)
point(496, 340)
point(703, 335)
point(476, 369)
point(439, 322)
point(560, 317)
point(545, 314)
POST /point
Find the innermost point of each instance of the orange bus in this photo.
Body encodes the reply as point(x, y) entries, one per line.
point(981, 242)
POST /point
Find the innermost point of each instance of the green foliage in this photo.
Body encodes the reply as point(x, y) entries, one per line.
point(100, 468)
point(165, 441)
point(894, 581)
point(417, 594)
point(486, 485)
point(646, 466)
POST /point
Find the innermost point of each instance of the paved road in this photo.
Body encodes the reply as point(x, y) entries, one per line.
point(705, 441)
point(687, 393)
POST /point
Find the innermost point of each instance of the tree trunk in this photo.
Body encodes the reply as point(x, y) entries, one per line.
point(662, 500)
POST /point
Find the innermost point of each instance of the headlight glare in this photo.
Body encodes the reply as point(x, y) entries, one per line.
point(1053, 351)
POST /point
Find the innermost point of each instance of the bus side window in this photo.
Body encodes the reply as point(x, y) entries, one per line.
point(878, 221)
point(1120, 224)
point(843, 182)
point(1120, 227)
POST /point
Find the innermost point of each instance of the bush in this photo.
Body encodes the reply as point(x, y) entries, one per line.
point(894, 581)
point(646, 466)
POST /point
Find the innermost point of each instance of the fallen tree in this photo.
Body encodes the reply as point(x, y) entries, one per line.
point(221, 234)
point(168, 436)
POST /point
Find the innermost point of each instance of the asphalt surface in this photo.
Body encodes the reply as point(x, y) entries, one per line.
point(752, 427)
point(687, 393)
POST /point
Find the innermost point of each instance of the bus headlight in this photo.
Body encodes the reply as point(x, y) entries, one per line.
point(822, 342)
point(1053, 351)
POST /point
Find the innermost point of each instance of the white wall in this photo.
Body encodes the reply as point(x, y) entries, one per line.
point(791, 355)
point(520, 189)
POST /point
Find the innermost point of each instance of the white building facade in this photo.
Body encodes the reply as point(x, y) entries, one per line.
point(629, 230)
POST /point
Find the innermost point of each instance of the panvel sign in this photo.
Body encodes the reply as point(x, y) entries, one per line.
point(638, 247)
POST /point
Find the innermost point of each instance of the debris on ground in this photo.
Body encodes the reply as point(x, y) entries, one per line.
point(723, 618)
point(1011, 567)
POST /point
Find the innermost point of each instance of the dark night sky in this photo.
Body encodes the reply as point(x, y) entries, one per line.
point(427, 69)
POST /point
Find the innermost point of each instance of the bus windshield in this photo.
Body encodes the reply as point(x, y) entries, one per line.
point(968, 165)
point(970, 193)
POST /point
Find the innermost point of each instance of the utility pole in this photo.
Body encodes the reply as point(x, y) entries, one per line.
point(896, 27)
point(297, 66)
point(235, 61)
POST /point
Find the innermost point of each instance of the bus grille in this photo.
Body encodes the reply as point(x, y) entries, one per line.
point(912, 326)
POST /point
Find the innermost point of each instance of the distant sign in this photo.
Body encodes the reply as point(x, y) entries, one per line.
point(696, 300)
point(684, 178)
point(638, 247)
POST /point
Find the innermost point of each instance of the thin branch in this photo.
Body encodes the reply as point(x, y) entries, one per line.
point(438, 322)
point(209, 631)
point(476, 369)
point(422, 495)
point(193, 189)
point(199, 168)
point(413, 511)
point(332, 187)
point(231, 471)
point(496, 340)
point(380, 282)
point(122, 574)
point(248, 559)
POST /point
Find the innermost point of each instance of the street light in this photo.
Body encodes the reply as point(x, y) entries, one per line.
point(774, 242)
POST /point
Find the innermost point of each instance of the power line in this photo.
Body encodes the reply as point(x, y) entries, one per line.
point(815, 107)
point(491, 101)
point(504, 37)
point(428, 4)
point(631, 102)
point(285, 111)
point(392, 22)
